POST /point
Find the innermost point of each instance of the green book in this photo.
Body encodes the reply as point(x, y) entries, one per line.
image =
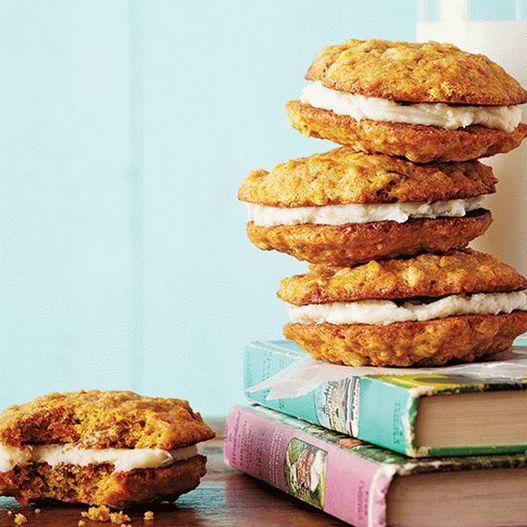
point(418, 415)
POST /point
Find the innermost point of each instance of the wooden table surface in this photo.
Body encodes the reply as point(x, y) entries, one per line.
point(224, 498)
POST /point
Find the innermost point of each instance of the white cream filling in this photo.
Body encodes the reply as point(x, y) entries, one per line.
point(430, 114)
point(11, 457)
point(123, 459)
point(384, 312)
point(266, 216)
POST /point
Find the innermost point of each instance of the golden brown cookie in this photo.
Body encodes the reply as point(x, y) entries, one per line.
point(354, 243)
point(415, 72)
point(100, 448)
point(426, 310)
point(103, 419)
point(418, 143)
point(431, 343)
point(343, 176)
point(427, 275)
point(343, 207)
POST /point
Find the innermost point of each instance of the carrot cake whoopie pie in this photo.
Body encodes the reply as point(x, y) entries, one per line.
point(425, 102)
point(100, 448)
point(427, 310)
point(344, 207)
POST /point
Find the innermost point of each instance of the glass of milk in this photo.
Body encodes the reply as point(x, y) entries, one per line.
point(497, 29)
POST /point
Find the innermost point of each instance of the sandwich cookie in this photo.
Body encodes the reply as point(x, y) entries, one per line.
point(345, 207)
point(426, 102)
point(100, 448)
point(423, 311)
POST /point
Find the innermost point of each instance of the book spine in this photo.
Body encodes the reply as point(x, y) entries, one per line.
point(366, 408)
point(307, 467)
point(387, 416)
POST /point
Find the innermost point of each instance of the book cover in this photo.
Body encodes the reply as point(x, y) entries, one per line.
point(333, 472)
point(380, 409)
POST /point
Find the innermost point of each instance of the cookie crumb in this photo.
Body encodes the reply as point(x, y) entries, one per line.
point(119, 518)
point(20, 519)
point(102, 514)
point(38, 511)
point(97, 514)
point(81, 523)
point(149, 516)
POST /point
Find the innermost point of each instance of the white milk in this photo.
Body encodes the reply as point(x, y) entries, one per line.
point(504, 42)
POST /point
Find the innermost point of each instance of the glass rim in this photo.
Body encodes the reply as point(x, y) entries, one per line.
point(471, 10)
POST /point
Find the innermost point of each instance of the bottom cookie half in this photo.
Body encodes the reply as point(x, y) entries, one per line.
point(101, 484)
point(418, 143)
point(432, 343)
point(353, 243)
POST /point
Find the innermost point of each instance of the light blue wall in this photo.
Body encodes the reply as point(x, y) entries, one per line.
point(127, 128)
point(64, 211)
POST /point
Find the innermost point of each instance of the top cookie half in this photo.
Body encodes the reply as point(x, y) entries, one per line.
point(426, 102)
point(99, 420)
point(410, 72)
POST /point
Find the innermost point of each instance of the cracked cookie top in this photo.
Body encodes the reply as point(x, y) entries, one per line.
point(427, 275)
point(97, 419)
point(410, 72)
point(343, 176)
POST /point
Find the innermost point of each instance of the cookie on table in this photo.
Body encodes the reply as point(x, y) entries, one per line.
point(422, 311)
point(101, 448)
point(344, 207)
point(426, 102)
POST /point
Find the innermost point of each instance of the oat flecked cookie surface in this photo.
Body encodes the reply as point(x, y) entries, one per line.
point(443, 337)
point(415, 72)
point(418, 143)
point(93, 423)
point(430, 343)
point(343, 176)
point(101, 484)
point(427, 275)
point(409, 74)
point(103, 419)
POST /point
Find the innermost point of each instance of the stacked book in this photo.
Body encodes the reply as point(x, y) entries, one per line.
point(380, 429)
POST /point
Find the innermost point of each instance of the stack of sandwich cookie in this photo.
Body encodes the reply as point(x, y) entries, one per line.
point(344, 207)
point(425, 102)
point(100, 448)
point(385, 220)
point(427, 310)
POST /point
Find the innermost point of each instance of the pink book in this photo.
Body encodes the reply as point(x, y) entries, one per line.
point(368, 486)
